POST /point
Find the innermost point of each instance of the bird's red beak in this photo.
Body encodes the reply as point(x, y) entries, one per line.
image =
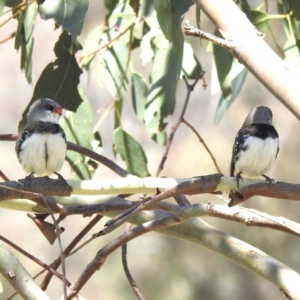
point(57, 110)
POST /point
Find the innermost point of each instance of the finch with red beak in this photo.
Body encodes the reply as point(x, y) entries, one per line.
point(41, 148)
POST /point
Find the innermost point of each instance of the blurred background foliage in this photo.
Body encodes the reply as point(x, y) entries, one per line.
point(119, 66)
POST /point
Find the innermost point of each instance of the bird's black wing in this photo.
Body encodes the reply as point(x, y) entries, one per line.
point(38, 127)
point(262, 131)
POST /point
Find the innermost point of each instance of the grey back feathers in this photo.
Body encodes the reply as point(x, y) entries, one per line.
point(259, 115)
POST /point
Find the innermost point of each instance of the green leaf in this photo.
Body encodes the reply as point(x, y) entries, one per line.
point(131, 152)
point(110, 5)
point(167, 63)
point(114, 64)
point(260, 20)
point(291, 52)
point(236, 85)
point(231, 76)
point(169, 15)
point(164, 78)
point(10, 3)
point(90, 45)
point(139, 91)
point(245, 7)
point(295, 7)
point(67, 13)
point(59, 80)
point(191, 67)
point(79, 130)
point(24, 38)
point(291, 48)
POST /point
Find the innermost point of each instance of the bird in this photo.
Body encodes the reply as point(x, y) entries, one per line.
point(41, 148)
point(256, 146)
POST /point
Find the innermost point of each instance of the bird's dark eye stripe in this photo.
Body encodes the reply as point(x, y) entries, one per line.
point(49, 107)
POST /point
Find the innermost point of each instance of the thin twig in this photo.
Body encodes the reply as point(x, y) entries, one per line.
point(100, 158)
point(36, 260)
point(82, 150)
point(204, 144)
point(62, 257)
point(103, 253)
point(69, 248)
point(191, 30)
point(10, 36)
point(190, 88)
point(3, 176)
point(207, 183)
point(130, 279)
point(100, 47)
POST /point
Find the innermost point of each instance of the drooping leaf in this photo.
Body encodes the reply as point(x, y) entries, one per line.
point(59, 80)
point(198, 15)
point(260, 20)
point(90, 45)
point(169, 15)
point(231, 76)
point(291, 52)
point(9, 3)
point(114, 65)
point(245, 7)
point(79, 130)
point(295, 4)
point(139, 91)
point(24, 38)
point(131, 152)
point(191, 67)
point(167, 63)
point(67, 13)
point(291, 26)
point(110, 5)
point(236, 86)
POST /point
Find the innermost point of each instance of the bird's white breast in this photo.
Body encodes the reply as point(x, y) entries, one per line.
point(43, 154)
point(258, 157)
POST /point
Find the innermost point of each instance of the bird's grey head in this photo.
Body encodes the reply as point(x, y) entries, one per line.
point(44, 109)
point(259, 115)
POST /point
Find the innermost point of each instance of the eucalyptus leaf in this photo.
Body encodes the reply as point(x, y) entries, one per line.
point(24, 38)
point(236, 85)
point(59, 80)
point(231, 76)
point(191, 67)
point(169, 15)
point(79, 130)
point(114, 62)
point(67, 13)
point(164, 77)
point(260, 20)
point(131, 153)
point(139, 91)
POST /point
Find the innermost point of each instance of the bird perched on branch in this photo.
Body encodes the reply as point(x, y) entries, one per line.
point(41, 148)
point(255, 147)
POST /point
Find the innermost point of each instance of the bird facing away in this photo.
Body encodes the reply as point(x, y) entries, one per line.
point(41, 148)
point(256, 146)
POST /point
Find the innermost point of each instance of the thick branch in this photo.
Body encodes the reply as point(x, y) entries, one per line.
point(201, 233)
point(17, 276)
point(252, 51)
point(279, 190)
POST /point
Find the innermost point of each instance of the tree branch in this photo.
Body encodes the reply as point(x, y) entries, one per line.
point(18, 277)
point(253, 52)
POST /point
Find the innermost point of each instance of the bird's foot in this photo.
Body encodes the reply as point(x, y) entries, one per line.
point(238, 177)
point(59, 176)
point(268, 179)
point(30, 176)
